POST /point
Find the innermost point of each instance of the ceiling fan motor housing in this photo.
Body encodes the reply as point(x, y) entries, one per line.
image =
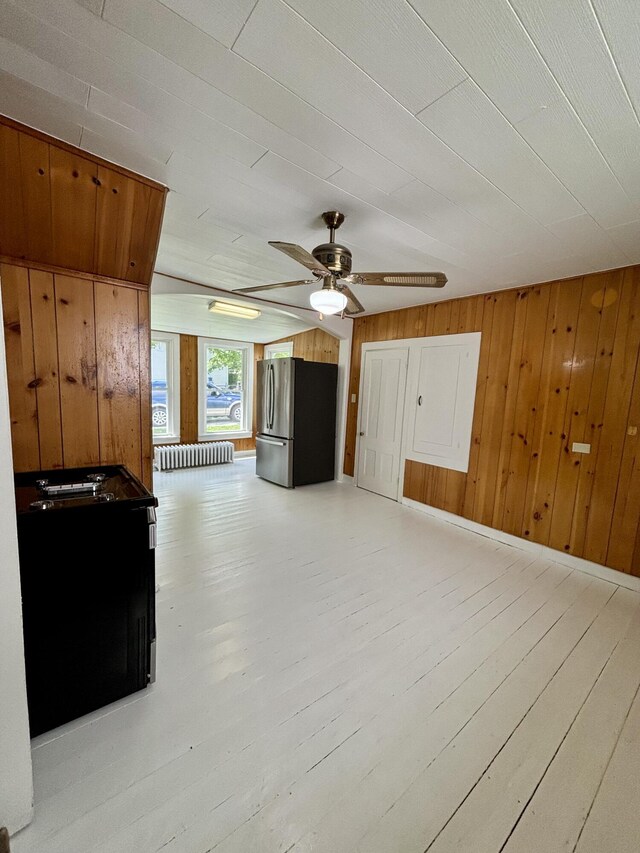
point(334, 257)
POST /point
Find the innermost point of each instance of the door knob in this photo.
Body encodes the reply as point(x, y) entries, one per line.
point(360, 433)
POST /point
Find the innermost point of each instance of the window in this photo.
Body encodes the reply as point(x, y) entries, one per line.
point(279, 350)
point(165, 387)
point(226, 388)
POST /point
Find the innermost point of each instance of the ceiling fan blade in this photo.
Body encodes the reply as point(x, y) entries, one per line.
point(302, 257)
point(273, 286)
point(399, 279)
point(353, 305)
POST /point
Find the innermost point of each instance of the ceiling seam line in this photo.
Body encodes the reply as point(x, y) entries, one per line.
point(231, 97)
point(151, 83)
point(613, 60)
point(383, 156)
point(405, 109)
point(561, 91)
point(246, 21)
point(444, 94)
point(303, 100)
point(353, 135)
point(567, 99)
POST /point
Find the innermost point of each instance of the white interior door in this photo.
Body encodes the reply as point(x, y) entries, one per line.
point(384, 374)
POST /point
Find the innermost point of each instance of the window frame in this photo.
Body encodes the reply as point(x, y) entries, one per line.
point(245, 429)
point(172, 339)
point(284, 346)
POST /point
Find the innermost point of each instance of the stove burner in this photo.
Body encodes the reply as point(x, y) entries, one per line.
point(42, 505)
point(96, 478)
point(104, 497)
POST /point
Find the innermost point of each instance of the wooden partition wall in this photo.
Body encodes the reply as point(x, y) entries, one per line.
point(314, 345)
point(77, 364)
point(78, 241)
point(558, 365)
point(63, 207)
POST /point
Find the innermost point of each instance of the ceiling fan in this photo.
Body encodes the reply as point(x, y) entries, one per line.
point(330, 263)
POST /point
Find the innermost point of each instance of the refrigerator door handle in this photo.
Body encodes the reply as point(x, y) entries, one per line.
point(268, 396)
point(151, 675)
point(270, 441)
point(272, 397)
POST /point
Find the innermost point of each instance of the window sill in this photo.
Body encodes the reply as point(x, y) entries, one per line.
point(166, 439)
point(223, 436)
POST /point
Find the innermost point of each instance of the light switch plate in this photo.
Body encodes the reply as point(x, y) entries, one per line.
point(578, 447)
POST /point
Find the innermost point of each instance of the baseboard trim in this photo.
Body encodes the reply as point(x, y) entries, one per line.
point(595, 569)
point(241, 454)
point(345, 478)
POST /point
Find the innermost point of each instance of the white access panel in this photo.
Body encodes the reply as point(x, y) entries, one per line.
point(440, 400)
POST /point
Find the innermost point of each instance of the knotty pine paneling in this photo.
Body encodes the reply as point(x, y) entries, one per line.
point(559, 363)
point(314, 345)
point(118, 360)
point(144, 364)
point(21, 373)
point(188, 389)
point(74, 188)
point(189, 385)
point(76, 339)
point(64, 207)
point(78, 369)
point(46, 364)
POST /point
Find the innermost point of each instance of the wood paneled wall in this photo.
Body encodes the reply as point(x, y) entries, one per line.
point(314, 345)
point(189, 386)
point(66, 208)
point(78, 371)
point(558, 365)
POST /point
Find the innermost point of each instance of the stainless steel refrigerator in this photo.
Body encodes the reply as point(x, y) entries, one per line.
point(296, 402)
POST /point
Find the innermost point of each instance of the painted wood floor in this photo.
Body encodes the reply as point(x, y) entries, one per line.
point(338, 673)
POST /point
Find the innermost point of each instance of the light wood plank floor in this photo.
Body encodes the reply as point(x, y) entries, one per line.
point(338, 673)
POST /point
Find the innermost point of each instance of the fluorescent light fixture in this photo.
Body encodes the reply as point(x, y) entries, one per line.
point(231, 310)
point(328, 301)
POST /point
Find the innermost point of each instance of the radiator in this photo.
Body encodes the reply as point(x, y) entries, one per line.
point(191, 455)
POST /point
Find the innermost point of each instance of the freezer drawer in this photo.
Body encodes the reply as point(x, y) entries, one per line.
point(274, 460)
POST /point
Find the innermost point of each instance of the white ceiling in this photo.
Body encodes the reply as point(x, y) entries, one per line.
point(497, 140)
point(189, 314)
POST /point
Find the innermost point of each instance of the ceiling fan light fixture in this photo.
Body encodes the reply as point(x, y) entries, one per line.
point(231, 310)
point(328, 301)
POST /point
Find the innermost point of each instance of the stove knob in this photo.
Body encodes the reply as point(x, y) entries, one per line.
point(42, 505)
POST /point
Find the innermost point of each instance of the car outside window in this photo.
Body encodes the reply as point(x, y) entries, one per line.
point(225, 388)
point(165, 387)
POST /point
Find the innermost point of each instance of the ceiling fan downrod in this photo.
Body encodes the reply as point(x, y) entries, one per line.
point(333, 219)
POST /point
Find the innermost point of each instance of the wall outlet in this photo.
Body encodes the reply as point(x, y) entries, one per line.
point(577, 447)
point(632, 430)
point(353, 398)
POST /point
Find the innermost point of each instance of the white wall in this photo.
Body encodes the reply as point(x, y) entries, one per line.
point(16, 785)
